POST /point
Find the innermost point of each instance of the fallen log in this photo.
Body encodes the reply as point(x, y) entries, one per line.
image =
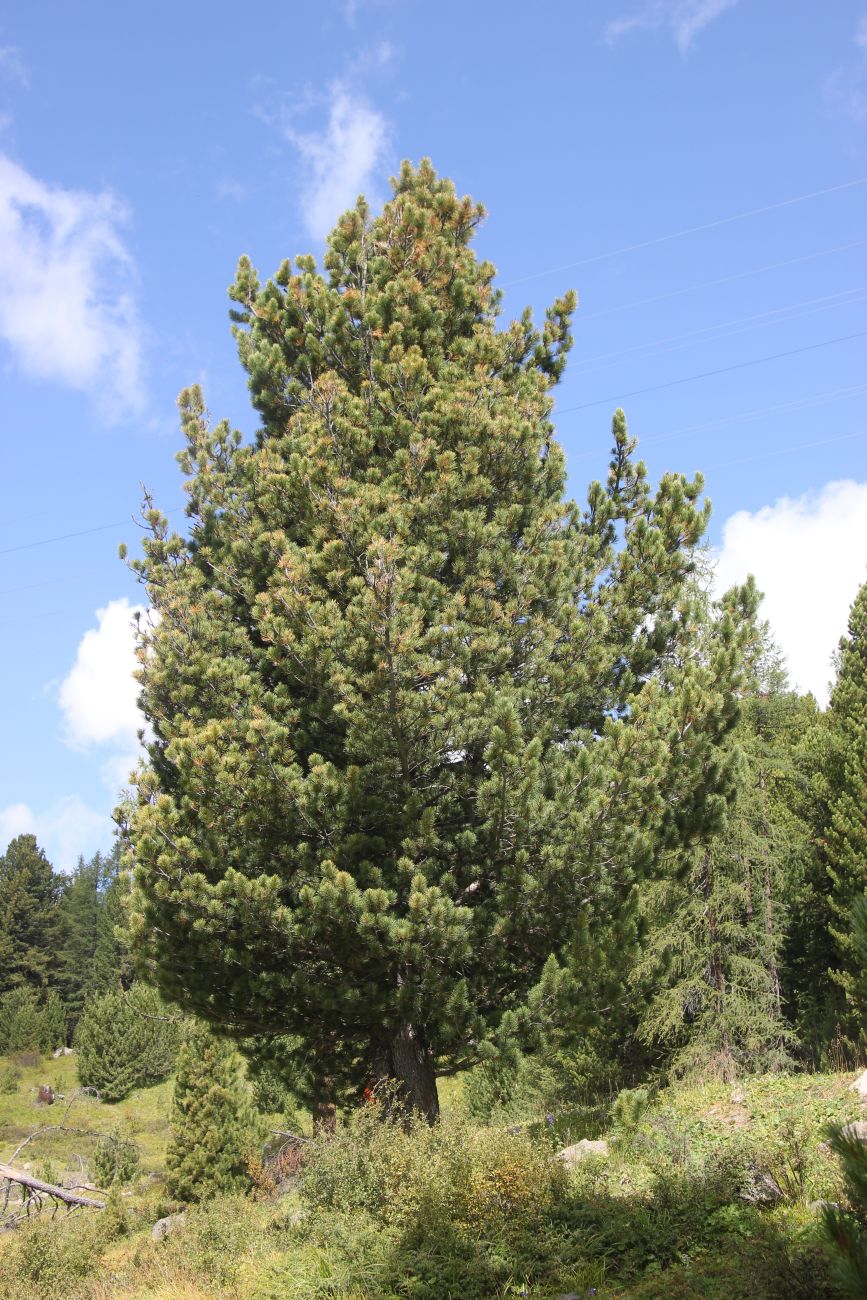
point(8, 1174)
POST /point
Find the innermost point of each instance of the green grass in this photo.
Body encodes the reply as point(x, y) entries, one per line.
point(465, 1212)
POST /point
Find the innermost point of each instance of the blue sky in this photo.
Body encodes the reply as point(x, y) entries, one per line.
point(694, 168)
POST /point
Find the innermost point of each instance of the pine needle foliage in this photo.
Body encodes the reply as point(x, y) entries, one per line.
point(415, 716)
point(125, 1040)
point(214, 1131)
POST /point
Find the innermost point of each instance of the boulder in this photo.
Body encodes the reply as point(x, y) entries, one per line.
point(165, 1227)
point(572, 1156)
point(761, 1189)
point(860, 1085)
point(856, 1131)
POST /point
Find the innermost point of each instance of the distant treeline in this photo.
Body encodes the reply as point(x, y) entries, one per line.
point(61, 942)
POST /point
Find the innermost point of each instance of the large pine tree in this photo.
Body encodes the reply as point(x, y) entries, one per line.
point(414, 715)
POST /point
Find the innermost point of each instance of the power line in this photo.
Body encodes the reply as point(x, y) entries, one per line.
point(712, 284)
point(826, 300)
point(690, 230)
point(706, 374)
point(779, 451)
point(82, 532)
point(793, 405)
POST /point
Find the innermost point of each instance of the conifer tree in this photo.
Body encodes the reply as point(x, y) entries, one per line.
point(214, 1129)
point(847, 827)
point(125, 1041)
point(28, 898)
point(414, 716)
point(711, 960)
point(77, 920)
point(112, 965)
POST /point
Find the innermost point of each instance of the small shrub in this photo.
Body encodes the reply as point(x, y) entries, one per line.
point(116, 1160)
point(48, 1260)
point(10, 1078)
point(627, 1114)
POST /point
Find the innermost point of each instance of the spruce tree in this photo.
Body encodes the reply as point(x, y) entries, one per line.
point(847, 826)
point(214, 1130)
point(77, 921)
point(415, 717)
point(112, 965)
point(28, 898)
point(712, 957)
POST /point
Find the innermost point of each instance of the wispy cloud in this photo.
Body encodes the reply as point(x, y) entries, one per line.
point(846, 88)
point(340, 160)
point(13, 66)
point(67, 308)
point(683, 18)
point(66, 829)
point(815, 543)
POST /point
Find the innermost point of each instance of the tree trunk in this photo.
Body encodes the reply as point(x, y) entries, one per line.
point(63, 1194)
point(324, 1107)
point(408, 1065)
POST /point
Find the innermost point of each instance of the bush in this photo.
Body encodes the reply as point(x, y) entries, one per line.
point(10, 1078)
point(476, 1179)
point(116, 1160)
point(125, 1041)
point(846, 1229)
point(47, 1260)
point(28, 1025)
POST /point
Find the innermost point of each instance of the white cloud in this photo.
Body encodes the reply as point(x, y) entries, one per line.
point(98, 696)
point(809, 557)
point(66, 309)
point(684, 19)
point(16, 819)
point(340, 161)
point(66, 829)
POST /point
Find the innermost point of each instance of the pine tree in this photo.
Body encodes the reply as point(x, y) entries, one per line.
point(20, 1020)
point(125, 1041)
point(847, 827)
point(414, 716)
point(214, 1130)
point(28, 898)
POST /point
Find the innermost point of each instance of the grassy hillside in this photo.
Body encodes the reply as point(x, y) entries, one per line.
point(706, 1192)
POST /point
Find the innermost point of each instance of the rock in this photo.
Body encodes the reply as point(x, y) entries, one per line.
point(860, 1085)
point(856, 1131)
point(61, 1051)
point(165, 1227)
point(761, 1189)
point(572, 1156)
